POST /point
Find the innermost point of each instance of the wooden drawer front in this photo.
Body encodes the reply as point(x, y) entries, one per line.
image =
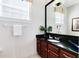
point(52, 54)
point(53, 48)
point(42, 39)
point(38, 38)
point(65, 54)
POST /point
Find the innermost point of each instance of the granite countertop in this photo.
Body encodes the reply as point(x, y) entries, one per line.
point(60, 44)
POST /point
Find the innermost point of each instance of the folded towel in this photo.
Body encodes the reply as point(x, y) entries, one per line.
point(17, 30)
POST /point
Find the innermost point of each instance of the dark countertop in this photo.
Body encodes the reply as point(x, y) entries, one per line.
point(64, 38)
point(61, 45)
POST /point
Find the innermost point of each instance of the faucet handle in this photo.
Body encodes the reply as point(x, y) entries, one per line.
point(57, 38)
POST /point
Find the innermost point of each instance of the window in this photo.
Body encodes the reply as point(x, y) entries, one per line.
point(18, 9)
point(59, 18)
point(59, 15)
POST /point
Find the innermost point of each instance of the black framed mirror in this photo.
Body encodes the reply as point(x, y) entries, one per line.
point(60, 15)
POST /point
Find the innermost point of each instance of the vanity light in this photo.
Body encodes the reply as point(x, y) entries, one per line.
point(58, 3)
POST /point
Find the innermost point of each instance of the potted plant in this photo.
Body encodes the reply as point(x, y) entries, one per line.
point(49, 29)
point(42, 29)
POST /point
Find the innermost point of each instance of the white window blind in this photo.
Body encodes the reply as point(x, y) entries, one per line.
point(59, 15)
point(59, 18)
point(15, 9)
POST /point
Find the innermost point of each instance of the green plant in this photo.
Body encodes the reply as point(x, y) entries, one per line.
point(49, 29)
point(42, 28)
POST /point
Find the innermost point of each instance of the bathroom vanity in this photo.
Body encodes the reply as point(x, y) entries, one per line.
point(57, 46)
point(52, 45)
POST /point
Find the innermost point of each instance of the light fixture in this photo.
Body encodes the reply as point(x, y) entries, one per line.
point(58, 3)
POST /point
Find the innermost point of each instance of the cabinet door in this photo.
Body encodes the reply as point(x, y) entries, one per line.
point(38, 46)
point(66, 54)
point(43, 44)
point(43, 49)
point(52, 54)
point(43, 53)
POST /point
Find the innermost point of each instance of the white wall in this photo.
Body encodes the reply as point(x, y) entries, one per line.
point(25, 45)
point(73, 12)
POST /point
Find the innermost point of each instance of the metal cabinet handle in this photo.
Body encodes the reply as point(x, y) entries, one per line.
point(66, 56)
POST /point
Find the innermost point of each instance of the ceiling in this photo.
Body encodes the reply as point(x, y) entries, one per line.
point(69, 3)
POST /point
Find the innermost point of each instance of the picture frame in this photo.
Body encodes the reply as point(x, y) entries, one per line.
point(75, 24)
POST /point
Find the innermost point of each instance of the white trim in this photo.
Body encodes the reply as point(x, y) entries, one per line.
point(7, 19)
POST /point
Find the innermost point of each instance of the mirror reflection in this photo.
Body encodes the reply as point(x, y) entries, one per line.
point(60, 16)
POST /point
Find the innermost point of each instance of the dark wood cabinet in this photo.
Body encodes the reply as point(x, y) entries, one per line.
point(48, 50)
point(38, 46)
point(42, 47)
point(52, 54)
point(43, 53)
point(66, 54)
point(53, 51)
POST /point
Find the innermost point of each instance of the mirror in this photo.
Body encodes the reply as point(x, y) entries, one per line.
point(61, 17)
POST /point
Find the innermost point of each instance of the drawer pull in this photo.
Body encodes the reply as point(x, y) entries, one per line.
point(66, 56)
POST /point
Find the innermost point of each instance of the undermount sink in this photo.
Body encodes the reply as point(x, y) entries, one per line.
point(51, 40)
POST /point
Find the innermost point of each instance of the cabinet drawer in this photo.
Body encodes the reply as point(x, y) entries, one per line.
point(52, 54)
point(53, 48)
point(66, 54)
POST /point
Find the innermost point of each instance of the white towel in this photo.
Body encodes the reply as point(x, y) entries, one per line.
point(17, 30)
